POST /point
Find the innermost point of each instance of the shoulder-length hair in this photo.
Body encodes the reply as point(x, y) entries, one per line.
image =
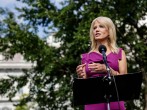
point(107, 22)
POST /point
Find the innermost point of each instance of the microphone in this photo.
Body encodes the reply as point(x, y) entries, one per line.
point(102, 50)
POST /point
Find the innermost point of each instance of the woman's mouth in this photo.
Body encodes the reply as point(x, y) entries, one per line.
point(97, 34)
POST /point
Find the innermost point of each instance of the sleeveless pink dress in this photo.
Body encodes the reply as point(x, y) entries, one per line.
point(112, 60)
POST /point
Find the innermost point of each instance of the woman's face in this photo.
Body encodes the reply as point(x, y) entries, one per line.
point(100, 32)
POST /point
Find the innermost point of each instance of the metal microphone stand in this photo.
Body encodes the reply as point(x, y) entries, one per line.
point(107, 81)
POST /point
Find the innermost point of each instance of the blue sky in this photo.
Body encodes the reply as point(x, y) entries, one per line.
point(10, 4)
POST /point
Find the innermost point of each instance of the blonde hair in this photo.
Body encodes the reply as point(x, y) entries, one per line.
point(107, 22)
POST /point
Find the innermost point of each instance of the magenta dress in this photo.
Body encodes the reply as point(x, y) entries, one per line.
point(112, 60)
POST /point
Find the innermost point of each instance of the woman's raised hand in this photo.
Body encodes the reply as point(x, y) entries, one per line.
point(81, 71)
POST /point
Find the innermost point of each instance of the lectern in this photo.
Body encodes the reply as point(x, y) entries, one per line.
point(93, 90)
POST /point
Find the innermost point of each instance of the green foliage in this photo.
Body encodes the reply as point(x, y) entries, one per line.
point(21, 108)
point(51, 79)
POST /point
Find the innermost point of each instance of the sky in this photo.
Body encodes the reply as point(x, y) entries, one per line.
point(10, 4)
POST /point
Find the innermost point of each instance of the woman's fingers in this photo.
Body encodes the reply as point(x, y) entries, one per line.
point(93, 67)
point(97, 67)
point(80, 66)
point(82, 75)
point(80, 71)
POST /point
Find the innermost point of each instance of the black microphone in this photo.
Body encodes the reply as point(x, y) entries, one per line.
point(102, 50)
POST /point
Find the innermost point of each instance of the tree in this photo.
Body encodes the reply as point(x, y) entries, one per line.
point(55, 67)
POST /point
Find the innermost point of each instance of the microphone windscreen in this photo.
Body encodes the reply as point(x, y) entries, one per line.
point(102, 48)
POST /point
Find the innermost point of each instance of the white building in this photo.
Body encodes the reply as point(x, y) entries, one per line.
point(51, 41)
point(14, 67)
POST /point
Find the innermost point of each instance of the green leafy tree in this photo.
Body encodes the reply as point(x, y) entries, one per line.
point(51, 78)
point(24, 107)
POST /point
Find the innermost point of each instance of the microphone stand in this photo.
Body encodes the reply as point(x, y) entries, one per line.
point(107, 81)
point(107, 66)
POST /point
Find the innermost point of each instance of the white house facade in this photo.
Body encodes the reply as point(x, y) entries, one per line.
point(14, 68)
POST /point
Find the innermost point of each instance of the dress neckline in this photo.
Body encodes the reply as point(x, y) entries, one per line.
point(100, 53)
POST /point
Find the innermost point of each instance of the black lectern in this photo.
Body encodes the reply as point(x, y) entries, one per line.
point(92, 90)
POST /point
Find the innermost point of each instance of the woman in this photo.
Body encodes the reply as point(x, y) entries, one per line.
point(103, 32)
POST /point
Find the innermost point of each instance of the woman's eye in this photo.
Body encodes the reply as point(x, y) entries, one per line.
point(94, 27)
point(101, 26)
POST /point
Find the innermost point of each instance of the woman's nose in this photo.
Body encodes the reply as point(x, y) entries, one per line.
point(97, 29)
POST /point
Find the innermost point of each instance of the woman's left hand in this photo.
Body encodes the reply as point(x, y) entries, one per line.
point(97, 67)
